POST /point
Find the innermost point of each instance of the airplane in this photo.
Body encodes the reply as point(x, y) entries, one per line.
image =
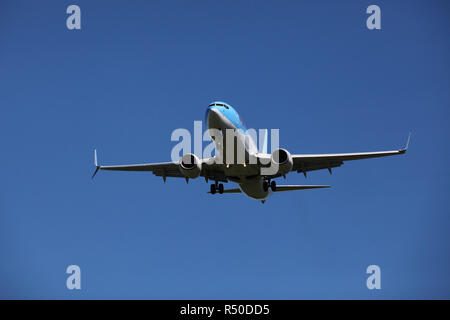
point(248, 174)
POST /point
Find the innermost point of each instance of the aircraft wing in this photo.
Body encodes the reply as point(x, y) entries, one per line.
point(210, 170)
point(163, 169)
point(308, 162)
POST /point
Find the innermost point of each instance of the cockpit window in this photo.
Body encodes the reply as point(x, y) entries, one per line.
point(219, 105)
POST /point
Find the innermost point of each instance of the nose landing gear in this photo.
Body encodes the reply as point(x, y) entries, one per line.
point(216, 187)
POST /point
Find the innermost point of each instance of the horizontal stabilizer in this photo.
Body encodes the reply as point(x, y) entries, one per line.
point(297, 187)
point(231, 191)
point(282, 188)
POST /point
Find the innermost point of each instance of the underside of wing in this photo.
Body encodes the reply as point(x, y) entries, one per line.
point(164, 169)
point(210, 170)
point(308, 162)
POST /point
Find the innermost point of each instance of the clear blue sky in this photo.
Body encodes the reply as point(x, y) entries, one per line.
point(136, 71)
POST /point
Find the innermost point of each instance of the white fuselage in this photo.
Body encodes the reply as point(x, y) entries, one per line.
point(247, 176)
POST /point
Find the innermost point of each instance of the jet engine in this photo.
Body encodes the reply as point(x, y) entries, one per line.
point(283, 159)
point(190, 165)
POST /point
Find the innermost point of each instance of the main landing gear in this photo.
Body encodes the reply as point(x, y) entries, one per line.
point(216, 187)
point(272, 184)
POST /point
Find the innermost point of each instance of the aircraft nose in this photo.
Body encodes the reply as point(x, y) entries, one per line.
point(213, 118)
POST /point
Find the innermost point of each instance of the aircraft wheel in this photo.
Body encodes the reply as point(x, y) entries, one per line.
point(221, 188)
point(273, 185)
point(265, 185)
point(213, 189)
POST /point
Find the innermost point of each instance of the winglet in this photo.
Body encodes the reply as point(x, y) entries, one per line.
point(407, 143)
point(97, 167)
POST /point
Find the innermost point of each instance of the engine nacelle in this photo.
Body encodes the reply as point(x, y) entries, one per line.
point(283, 159)
point(190, 165)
